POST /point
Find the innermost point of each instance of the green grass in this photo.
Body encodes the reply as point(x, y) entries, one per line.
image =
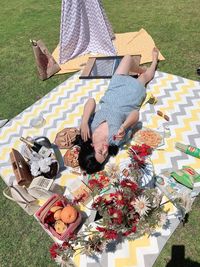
point(174, 26)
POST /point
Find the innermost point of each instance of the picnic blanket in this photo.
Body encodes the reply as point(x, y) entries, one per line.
point(62, 107)
point(132, 43)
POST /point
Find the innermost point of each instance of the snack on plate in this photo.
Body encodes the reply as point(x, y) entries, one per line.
point(148, 137)
point(71, 157)
point(66, 137)
point(82, 192)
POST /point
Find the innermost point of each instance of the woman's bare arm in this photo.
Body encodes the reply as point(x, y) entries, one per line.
point(88, 110)
point(130, 121)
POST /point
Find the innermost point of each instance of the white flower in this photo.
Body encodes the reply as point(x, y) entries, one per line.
point(62, 262)
point(35, 169)
point(163, 219)
point(58, 259)
point(142, 205)
point(113, 170)
point(44, 167)
point(186, 202)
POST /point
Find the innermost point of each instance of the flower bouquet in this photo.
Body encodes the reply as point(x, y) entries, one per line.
point(127, 211)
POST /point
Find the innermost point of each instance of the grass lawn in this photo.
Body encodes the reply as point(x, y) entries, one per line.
point(174, 26)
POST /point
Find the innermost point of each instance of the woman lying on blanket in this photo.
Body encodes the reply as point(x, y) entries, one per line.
point(104, 130)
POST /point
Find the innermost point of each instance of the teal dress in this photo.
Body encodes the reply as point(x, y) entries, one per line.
point(124, 94)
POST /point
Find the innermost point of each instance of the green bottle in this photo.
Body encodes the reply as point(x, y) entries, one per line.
point(190, 150)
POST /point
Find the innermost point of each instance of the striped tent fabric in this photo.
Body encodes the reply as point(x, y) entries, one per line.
point(84, 29)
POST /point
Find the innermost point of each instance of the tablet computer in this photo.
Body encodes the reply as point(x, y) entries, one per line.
point(105, 67)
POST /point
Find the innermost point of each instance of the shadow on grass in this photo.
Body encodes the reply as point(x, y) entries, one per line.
point(178, 258)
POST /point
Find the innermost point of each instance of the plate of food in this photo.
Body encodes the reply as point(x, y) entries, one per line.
point(149, 137)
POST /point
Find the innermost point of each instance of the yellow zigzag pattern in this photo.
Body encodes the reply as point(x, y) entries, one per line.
point(171, 102)
point(157, 89)
point(76, 97)
point(179, 133)
point(133, 246)
point(37, 110)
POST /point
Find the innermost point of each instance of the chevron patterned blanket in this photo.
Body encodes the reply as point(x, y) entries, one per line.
point(178, 97)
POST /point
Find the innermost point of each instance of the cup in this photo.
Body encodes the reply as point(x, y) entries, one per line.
point(38, 121)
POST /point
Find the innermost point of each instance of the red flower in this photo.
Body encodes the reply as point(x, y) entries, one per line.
point(129, 184)
point(138, 153)
point(101, 229)
point(97, 203)
point(53, 250)
point(78, 199)
point(94, 183)
point(110, 234)
point(132, 230)
point(104, 180)
point(117, 215)
point(118, 197)
point(65, 245)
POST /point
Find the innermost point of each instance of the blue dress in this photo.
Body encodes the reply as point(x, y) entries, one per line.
point(124, 94)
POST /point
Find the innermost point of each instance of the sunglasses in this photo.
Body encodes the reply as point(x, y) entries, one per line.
point(161, 114)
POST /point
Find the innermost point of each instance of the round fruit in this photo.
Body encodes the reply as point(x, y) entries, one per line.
point(55, 208)
point(68, 214)
point(57, 214)
point(60, 227)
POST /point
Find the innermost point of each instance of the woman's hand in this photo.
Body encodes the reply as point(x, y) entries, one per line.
point(120, 134)
point(85, 131)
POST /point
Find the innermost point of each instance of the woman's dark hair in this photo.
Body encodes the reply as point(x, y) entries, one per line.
point(86, 158)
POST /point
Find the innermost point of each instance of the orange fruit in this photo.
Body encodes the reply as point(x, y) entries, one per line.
point(68, 214)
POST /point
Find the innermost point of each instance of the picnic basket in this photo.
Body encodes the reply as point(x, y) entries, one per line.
point(43, 212)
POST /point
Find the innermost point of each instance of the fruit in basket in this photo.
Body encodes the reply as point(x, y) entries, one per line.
point(57, 214)
point(55, 208)
point(60, 227)
point(68, 214)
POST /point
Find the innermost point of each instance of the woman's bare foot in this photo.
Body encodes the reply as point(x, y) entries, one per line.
point(155, 53)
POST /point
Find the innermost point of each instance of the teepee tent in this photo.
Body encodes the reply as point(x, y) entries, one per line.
point(84, 29)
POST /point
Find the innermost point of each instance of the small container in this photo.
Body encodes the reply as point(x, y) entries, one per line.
point(167, 132)
point(38, 121)
point(190, 150)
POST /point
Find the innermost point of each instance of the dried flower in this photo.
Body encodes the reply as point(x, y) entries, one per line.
point(142, 205)
point(163, 219)
point(113, 171)
point(123, 210)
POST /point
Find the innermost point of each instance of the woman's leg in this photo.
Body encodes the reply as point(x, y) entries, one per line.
point(148, 75)
point(128, 65)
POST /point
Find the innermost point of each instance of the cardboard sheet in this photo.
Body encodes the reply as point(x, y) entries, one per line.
point(132, 43)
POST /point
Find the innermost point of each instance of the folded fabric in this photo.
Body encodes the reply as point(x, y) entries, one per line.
point(20, 195)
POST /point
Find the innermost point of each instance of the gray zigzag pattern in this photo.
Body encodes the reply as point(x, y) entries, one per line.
point(54, 123)
point(167, 92)
point(69, 111)
point(183, 108)
point(174, 160)
point(73, 90)
point(150, 259)
point(103, 260)
point(170, 89)
point(27, 110)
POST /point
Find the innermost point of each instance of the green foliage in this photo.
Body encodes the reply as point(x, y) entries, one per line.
point(174, 26)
